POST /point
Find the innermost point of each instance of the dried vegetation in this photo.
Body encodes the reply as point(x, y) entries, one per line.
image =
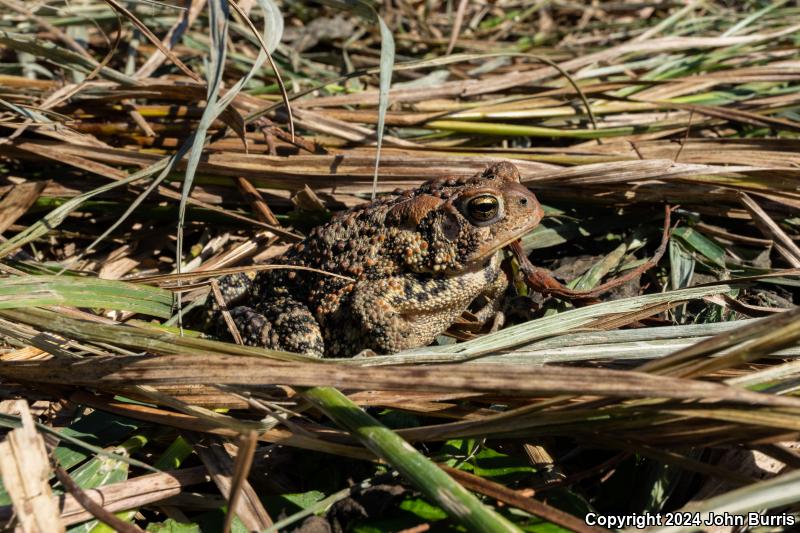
point(135, 133)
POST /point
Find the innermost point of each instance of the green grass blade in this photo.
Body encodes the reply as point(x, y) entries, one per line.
point(35, 291)
point(59, 56)
point(218, 26)
point(560, 323)
point(423, 473)
point(368, 13)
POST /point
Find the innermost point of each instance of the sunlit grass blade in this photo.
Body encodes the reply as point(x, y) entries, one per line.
point(39, 291)
point(421, 471)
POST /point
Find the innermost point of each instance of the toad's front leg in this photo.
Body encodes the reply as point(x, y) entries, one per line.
point(399, 313)
point(491, 301)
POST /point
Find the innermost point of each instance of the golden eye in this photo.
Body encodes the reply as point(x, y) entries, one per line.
point(483, 208)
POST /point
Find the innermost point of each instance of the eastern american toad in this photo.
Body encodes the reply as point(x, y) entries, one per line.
point(416, 261)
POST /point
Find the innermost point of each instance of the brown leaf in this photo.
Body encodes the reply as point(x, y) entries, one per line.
point(18, 200)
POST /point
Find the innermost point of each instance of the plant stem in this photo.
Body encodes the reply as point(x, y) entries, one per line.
point(423, 473)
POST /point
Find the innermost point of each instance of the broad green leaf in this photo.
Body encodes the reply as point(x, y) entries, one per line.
point(500, 467)
point(681, 271)
point(701, 244)
point(681, 266)
point(423, 509)
point(171, 459)
point(172, 526)
point(598, 270)
point(97, 428)
point(101, 471)
point(105, 470)
point(305, 499)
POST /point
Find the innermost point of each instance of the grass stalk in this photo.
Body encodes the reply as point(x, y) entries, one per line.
point(423, 473)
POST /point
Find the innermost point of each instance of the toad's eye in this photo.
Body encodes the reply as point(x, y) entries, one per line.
point(483, 208)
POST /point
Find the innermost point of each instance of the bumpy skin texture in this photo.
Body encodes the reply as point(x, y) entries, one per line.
point(415, 261)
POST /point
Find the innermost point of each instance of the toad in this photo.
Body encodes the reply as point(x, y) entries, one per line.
point(408, 266)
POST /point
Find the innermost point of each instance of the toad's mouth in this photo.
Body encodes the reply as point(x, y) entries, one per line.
point(490, 250)
point(502, 244)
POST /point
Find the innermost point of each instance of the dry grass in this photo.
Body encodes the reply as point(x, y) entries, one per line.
point(134, 134)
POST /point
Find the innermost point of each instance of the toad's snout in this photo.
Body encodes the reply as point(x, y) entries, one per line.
point(523, 206)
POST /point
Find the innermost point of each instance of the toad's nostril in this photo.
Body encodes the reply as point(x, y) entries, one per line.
point(523, 201)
